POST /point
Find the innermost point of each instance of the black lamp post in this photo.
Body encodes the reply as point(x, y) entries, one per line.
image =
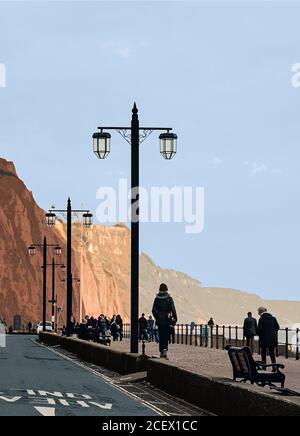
point(134, 135)
point(32, 251)
point(53, 300)
point(87, 222)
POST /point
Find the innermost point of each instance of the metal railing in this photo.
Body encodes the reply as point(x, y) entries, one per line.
point(218, 336)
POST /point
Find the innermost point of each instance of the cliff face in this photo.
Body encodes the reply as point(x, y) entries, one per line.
point(22, 222)
point(102, 261)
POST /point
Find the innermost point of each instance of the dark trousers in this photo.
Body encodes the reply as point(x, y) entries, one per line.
point(250, 342)
point(164, 333)
point(271, 353)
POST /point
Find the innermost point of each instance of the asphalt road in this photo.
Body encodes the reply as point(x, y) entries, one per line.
point(36, 382)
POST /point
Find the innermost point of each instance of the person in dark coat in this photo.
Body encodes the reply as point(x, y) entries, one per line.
point(250, 330)
point(164, 312)
point(114, 328)
point(119, 322)
point(143, 328)
point(102, 325)
point(268, 328)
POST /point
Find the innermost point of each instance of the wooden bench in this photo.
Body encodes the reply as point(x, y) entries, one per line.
point(245, 368)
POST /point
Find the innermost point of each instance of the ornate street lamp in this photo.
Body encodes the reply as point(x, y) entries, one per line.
point(57, 250)
point(135, 135)
point(101, 144)
point(87, 220)
point(31, 250)
point(168, 145)
point(50, 219)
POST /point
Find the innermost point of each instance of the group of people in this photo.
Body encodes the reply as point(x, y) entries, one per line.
point(159, 327)
point(96, 328)
point(266, 329)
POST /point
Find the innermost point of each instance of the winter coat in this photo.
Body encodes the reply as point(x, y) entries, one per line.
point(143, 324)
point(164, 309)
point(250, 327)
point(102, 325)
point(268, 328)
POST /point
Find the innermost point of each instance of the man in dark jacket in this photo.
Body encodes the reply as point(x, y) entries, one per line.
point(250, 330)
point(268, 328)
point(143, 328)
point(164, 312)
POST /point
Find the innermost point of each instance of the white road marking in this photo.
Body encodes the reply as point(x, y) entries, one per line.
point(106, 380)
point(46, 411)
point(10, 400)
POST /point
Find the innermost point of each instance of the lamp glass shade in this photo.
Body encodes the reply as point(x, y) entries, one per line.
point(57, 250)
point(50, 219)
point(101, 144)
point(168, 145)
point(31, 250)
point(87, 220)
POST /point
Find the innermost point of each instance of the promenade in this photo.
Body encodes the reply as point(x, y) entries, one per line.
point(212, 362)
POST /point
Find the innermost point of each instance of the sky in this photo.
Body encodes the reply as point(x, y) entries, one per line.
point(219, 73)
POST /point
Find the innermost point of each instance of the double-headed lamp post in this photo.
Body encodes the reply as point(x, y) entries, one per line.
point(87, 223)
point(53, 300)
point(32, 251)
point(135, 135)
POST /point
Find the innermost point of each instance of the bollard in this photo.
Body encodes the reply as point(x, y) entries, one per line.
point(143, 348)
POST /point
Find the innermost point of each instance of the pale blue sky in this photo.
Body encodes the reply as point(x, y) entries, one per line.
point(218, 72)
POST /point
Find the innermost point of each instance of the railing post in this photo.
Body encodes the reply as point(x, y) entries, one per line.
point(217, 337)
point(201, 335)
point(181, 334)
point(212, 337)
point(223, 340)
point(230, 335)
point(186, 334)
point(196, 335)
point(286, 343)
point(191, 335)
point(297, 344)
point(236, 336)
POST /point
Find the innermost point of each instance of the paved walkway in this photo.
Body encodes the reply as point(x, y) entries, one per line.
point(211, 362)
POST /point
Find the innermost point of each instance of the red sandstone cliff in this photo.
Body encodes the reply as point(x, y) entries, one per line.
point(21, 223)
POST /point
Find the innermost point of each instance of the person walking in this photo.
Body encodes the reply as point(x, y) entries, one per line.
point(250, 330)
point(268, 328)
point(164, 311)
point(119, 322)
point(114, 328)
point(29, 327)
point(102, 325)
point(151, 329)
point(143, 327)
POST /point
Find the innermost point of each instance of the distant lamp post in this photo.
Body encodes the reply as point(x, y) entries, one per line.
point(101, 144)
point(135, 135)
point(31, 251)
point(87, 223)
point(53, 300)
point(57, 250)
